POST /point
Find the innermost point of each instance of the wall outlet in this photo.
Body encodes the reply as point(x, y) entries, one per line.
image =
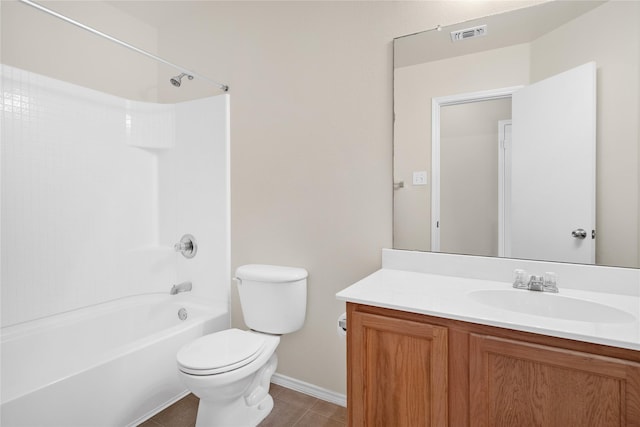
point(420, 178)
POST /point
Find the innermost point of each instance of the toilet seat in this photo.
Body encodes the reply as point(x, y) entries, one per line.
point(220, 352)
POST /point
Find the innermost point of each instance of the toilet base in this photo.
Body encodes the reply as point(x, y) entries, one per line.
point(247, 410)
point(237, 414)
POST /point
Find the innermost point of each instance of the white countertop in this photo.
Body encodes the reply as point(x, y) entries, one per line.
point(449, 297)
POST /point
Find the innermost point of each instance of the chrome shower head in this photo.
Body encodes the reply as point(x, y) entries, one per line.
point(177, 80)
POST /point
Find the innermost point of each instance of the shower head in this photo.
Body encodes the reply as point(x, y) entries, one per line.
point(177, 80)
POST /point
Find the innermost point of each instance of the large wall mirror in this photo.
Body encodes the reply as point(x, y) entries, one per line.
point(517, 135)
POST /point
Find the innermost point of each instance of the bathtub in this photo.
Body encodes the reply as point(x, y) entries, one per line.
point(112, 364)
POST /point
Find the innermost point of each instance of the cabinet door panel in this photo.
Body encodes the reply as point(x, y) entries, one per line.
point(397, 372)
point(520, 384)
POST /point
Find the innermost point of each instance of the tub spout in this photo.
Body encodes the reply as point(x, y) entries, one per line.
point(181, 287)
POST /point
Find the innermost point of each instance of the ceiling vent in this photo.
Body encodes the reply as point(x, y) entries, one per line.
point(468, 33)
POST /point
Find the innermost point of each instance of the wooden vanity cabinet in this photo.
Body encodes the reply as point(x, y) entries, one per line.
point(406, 369)
point(520, 384)
point(398, 372)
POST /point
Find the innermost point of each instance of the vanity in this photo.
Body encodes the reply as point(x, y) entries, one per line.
point(445, 340)
point(508, 155)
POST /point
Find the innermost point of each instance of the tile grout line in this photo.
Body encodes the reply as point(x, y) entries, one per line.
point(297, 423)
point(301, 417)
point(310, 410)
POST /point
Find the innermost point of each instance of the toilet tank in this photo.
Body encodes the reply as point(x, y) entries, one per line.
point(273, 298)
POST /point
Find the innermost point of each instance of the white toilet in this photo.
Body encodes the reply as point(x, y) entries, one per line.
point(230, 371)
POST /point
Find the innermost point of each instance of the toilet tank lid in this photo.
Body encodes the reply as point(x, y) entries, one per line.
point(270, 273)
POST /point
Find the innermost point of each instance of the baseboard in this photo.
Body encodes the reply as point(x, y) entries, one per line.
point(309, 389)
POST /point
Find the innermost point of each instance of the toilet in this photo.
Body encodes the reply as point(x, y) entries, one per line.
point(230, 371)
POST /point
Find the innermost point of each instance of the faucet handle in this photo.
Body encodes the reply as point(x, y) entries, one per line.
point(550, 282)
point(187, 246)
point(183, 246)
point(520, 279)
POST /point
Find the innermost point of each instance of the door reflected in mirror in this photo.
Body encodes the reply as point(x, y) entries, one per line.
point(566, 187)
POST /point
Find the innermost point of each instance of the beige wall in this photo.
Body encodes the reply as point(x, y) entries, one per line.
point(617, 202)
point(311, 142)
point(311, 130)
point(414, 88)
point(37, 42)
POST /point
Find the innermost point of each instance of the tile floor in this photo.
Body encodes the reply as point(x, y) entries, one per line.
point(290, 409)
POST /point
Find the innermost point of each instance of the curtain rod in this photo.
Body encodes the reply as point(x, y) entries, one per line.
point(223, 87)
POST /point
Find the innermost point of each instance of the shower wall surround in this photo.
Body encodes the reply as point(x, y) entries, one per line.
point(96, 189)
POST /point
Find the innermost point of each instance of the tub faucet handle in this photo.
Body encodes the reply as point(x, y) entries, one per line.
point(187, 246)
point(180, 247)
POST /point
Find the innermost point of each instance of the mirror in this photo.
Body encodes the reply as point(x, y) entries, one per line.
point(457, 90)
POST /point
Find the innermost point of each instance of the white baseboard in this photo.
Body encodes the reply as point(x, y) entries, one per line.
point(309, 389)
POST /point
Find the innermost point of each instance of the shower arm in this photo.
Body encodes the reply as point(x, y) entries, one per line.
point(223, 87)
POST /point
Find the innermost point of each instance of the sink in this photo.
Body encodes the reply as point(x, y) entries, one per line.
point(551, 305)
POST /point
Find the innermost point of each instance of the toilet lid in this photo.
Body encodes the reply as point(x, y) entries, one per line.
point(220, 352)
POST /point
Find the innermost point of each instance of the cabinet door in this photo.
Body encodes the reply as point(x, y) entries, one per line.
point(397, 372)
point(520, 384)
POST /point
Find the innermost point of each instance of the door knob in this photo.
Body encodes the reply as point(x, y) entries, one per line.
point(579, 233)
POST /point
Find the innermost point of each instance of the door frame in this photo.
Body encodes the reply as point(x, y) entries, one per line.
point(504, 190)
point(436, 104)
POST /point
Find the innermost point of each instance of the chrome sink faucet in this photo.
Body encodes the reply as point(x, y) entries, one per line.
point(546, 283)
point(536, 283)
point(180, 287)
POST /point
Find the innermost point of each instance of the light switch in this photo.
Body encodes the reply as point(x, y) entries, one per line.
point(420, 178)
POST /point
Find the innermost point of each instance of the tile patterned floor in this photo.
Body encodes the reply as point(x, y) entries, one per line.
point(290, 409)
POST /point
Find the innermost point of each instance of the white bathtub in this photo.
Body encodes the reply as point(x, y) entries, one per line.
point(112, 364)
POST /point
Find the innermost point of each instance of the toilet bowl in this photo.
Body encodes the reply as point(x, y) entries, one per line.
point(230, 371)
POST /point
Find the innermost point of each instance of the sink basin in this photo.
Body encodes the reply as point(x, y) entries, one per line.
point(551, 305)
